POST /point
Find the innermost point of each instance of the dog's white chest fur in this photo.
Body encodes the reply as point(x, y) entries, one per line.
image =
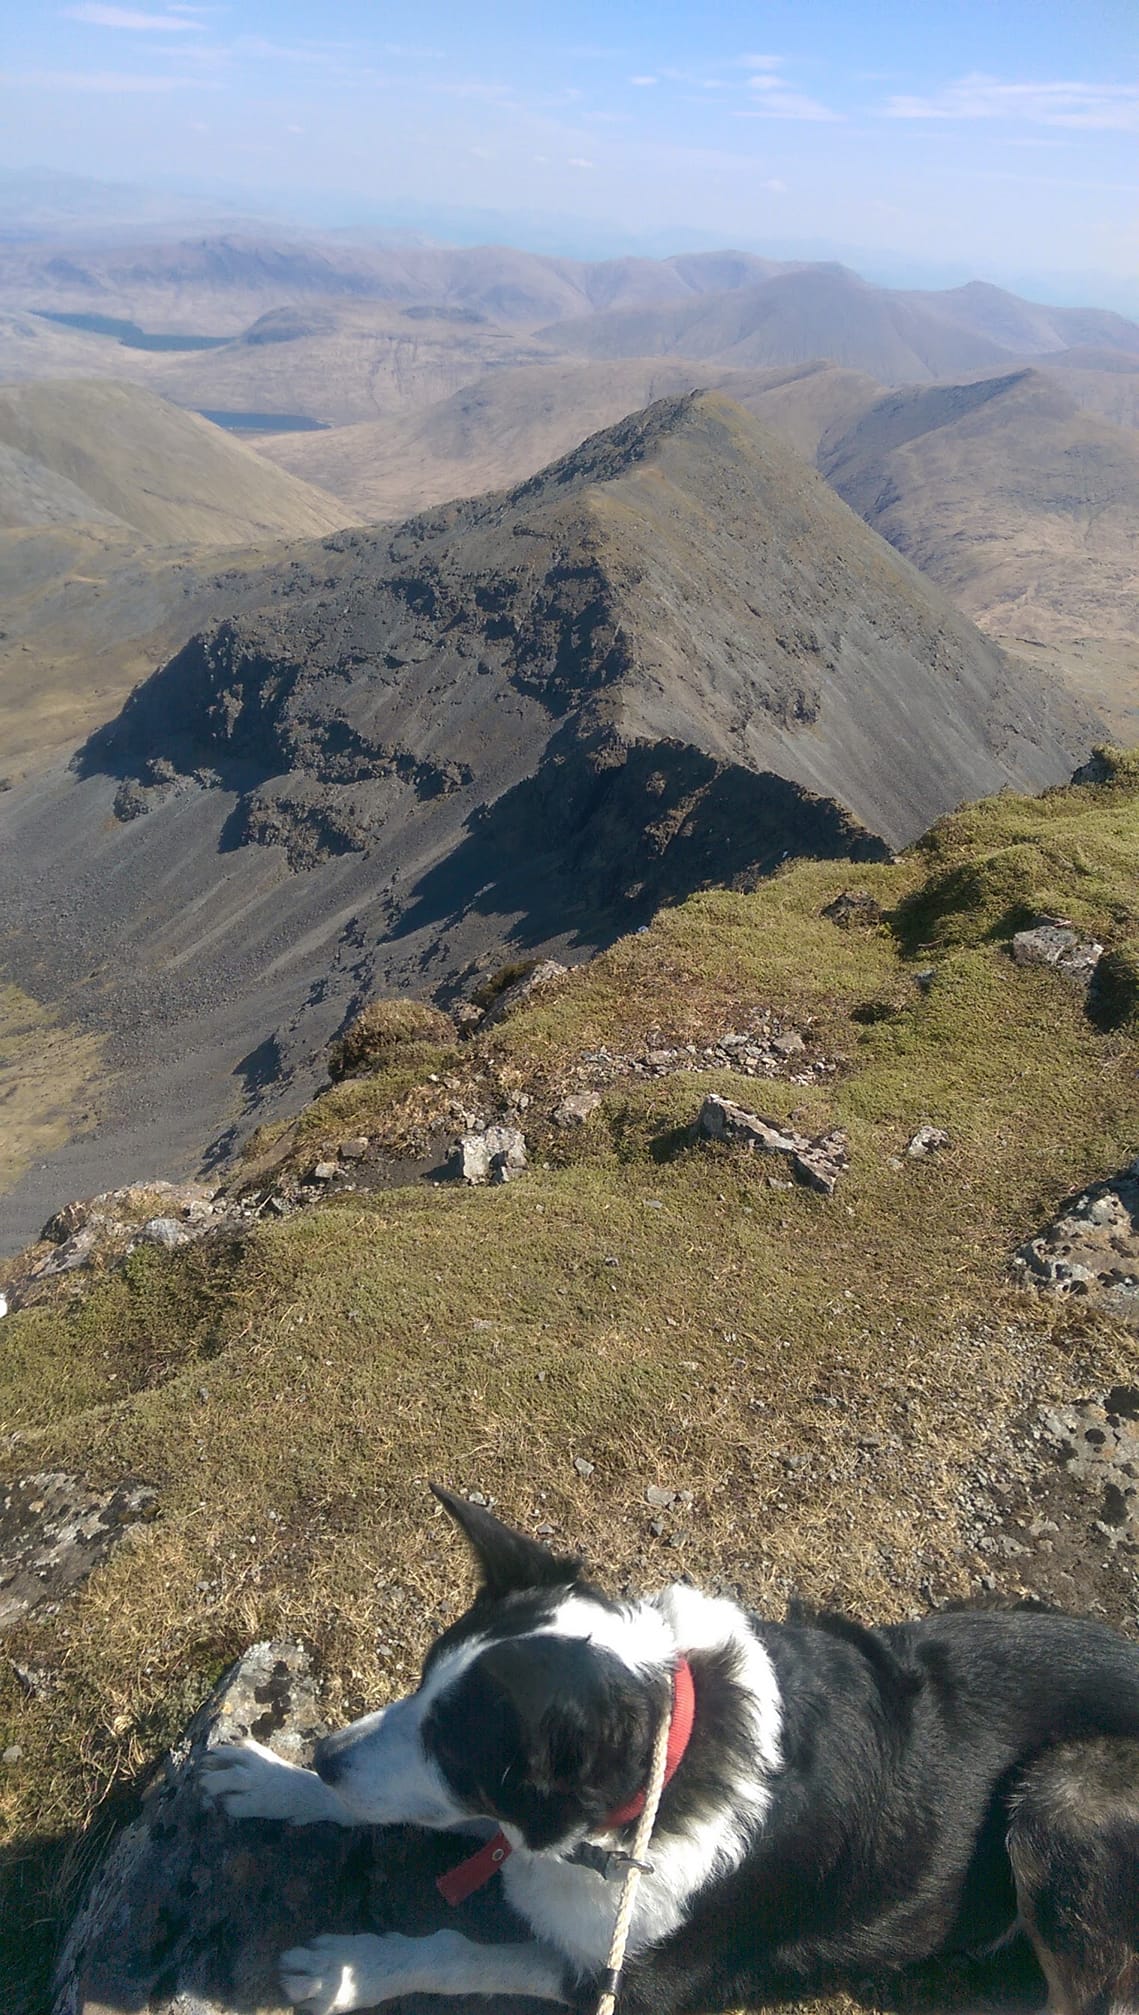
point(573, 1908)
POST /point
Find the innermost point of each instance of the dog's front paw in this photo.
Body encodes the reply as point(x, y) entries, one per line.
point(248, 1782)
point(334, 1973)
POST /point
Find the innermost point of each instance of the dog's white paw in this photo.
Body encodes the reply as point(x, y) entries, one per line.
point(334, 1973)
point(249, 1782)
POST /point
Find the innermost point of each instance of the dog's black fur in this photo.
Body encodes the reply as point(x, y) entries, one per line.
point(919, 1790)
point(851, 1800)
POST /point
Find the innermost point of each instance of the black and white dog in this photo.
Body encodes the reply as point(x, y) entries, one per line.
point(840, 1799)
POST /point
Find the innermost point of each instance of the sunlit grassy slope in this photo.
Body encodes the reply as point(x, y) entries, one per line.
point(824, 1376)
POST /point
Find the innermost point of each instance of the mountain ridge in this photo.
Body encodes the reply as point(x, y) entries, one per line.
point(514, 725)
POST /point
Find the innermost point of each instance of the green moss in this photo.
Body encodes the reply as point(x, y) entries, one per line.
point(384, 1028)
point(1115, 990)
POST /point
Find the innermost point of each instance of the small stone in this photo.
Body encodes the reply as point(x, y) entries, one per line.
point(657, 1495)
point(582, 1466)
point(1055, 942)
point(353, 1150)
point(324, 1171)
point(576, 1108)
point(164, 1231)
point(790, 1044)
point(927, 1140)
point(819, 1161)
point(12, 1754)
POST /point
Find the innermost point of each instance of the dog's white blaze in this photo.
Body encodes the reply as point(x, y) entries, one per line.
point(386, 1777)
point(636, 1633)
point(574, 1908)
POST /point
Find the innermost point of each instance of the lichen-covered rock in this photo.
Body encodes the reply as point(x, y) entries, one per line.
point(1091, 1249)
point(1097, 1441)
point(188, 1911)
point(1055, 942)
point(926, 1141)
point(54, 1530)
point(819, 1161)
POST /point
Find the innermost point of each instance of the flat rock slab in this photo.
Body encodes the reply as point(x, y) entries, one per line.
point(1055, 942)
point(818, 1161)
point(189, 1911)
point(54, 1530)
point(1098, 1443)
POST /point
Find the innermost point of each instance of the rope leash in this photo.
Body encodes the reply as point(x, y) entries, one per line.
point(637, 1866)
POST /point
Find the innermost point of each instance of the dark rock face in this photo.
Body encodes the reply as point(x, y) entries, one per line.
point(188, 1911)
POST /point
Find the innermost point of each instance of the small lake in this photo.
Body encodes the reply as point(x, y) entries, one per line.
point(264, 423)
point(129, 334)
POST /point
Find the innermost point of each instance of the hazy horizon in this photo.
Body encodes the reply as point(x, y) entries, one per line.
point(922, 146)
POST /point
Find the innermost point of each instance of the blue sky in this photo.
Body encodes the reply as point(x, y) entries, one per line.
point(976, 137)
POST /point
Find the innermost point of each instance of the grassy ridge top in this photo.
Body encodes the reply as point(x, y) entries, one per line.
point(826, 1377)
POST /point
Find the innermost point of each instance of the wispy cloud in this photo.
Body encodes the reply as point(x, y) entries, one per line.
point(773, 97)
point(179, 22)
point(113, 82)
point(643, 82)
point(1090, 107)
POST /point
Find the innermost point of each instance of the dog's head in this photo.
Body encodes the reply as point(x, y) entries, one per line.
point(536, 1709)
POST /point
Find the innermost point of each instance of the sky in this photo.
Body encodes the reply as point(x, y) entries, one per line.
point(918, 138)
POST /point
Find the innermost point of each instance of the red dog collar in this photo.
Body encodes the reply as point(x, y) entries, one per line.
point(478, 1868)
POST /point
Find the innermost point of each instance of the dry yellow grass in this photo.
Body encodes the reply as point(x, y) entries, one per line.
point(49, 1080)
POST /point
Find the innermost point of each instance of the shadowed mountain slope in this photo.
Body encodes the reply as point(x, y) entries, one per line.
point(117, 514)
point(671, 659)
point(1023, 507)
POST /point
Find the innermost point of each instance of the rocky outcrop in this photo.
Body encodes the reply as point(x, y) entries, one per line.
point(538, 978)
point(1091, 1250)
point(819, 1162)
point(99, 1231)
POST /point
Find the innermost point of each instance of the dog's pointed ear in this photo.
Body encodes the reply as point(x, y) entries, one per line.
point(508, 1561)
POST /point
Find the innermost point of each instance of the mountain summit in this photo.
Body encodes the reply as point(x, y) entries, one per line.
point(672, 658)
